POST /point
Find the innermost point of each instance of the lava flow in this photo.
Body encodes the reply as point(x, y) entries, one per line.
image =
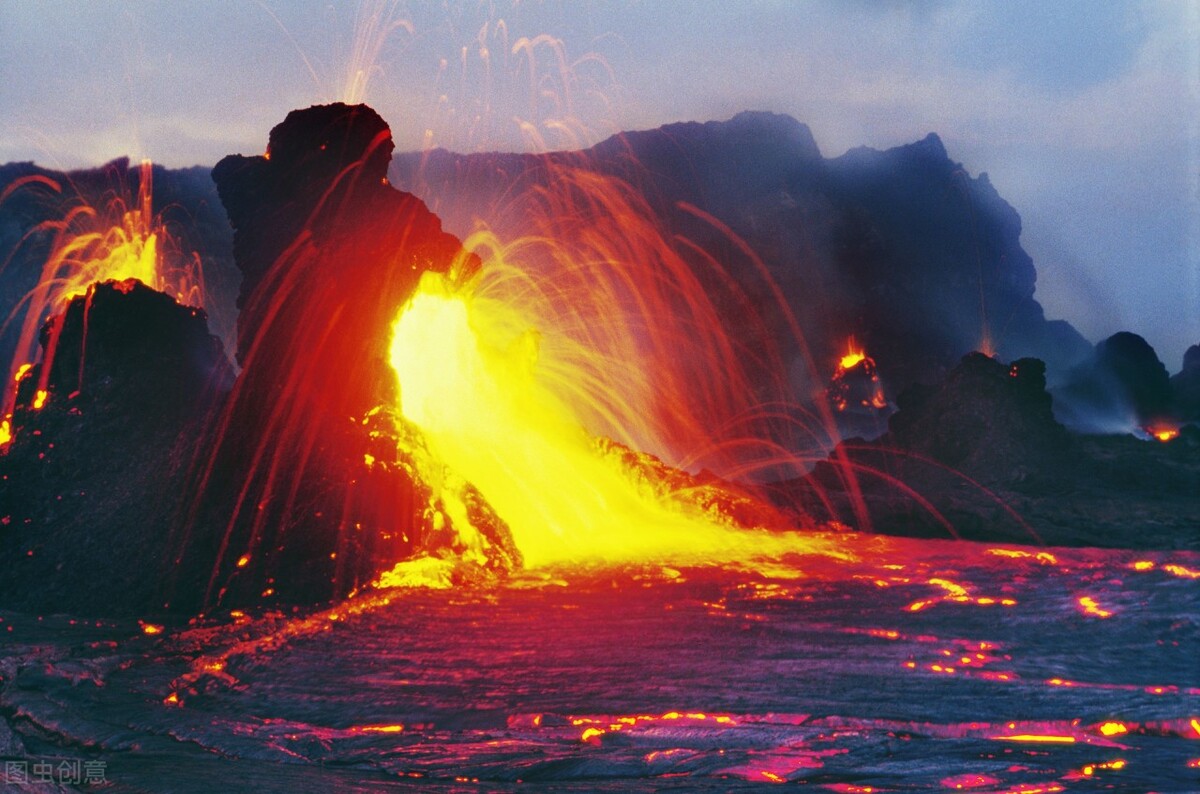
point(564, 422)
point(584, 381)
point(471, 378)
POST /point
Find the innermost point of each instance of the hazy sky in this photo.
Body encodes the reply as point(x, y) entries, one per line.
point(1086, 115)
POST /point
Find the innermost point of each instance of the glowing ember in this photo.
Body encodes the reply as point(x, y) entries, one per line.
point(855, 383)
point(427, 572)
point(591, 735)
point(397, 728)
point(852, 359)
point(1181, 571)
point(473, 379)
point(1089, 607)
point(1163, 433)
point(1044, 557)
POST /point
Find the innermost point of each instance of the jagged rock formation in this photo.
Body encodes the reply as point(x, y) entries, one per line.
point(329, 252)
point(936, 263)
point(37, 201)
point(901, 248)
point(152, 479)
point(1185, 387)
point(93, 476)
point(1122, 385)
point(985, 420)
point(980, 455)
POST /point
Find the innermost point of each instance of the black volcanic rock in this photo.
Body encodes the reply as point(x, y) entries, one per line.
point(92, 478)
point(316, 214)
point(1185, 386)
point(37, 201)
point(901, 249)
point(136, 342)
point(981, 456)
point(329, 253)
point(935, 265)
point(991, 421)
point(1121, 386)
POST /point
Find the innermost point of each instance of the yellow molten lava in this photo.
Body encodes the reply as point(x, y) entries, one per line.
point(1164, 434)
point(851, 359)
point(470, 375)
point(119, 241)
point(128, 251)
point(127, 248)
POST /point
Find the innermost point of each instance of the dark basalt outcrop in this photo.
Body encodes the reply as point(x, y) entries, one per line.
point(35, 202)
point(981, 456)
point(329, 252)
point(987, 420)
point(92, 477)
point(901, 249)
point(1120, 386)
point(1185, 387)
point(153, 479)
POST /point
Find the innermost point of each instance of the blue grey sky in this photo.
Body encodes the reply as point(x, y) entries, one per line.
point(1085, 115)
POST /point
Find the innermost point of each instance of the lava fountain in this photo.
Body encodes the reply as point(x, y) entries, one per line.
point(584, 381)
point(114, 240)
point(572, 395)
point(471, 378)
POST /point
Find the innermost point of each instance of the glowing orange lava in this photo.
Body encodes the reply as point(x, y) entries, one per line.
point(852, 359)
point(865, 394)
point(1181, 571)
point(1088, 606)
point(1163, 433)
point(485, 389)
point(1037, 738)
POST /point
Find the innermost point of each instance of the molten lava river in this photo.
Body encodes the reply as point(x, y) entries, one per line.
point(901, 666)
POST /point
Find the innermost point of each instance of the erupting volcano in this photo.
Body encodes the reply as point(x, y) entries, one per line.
point(529, 401)
point(580, 505)
point(472, 378)
point(121, 240)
